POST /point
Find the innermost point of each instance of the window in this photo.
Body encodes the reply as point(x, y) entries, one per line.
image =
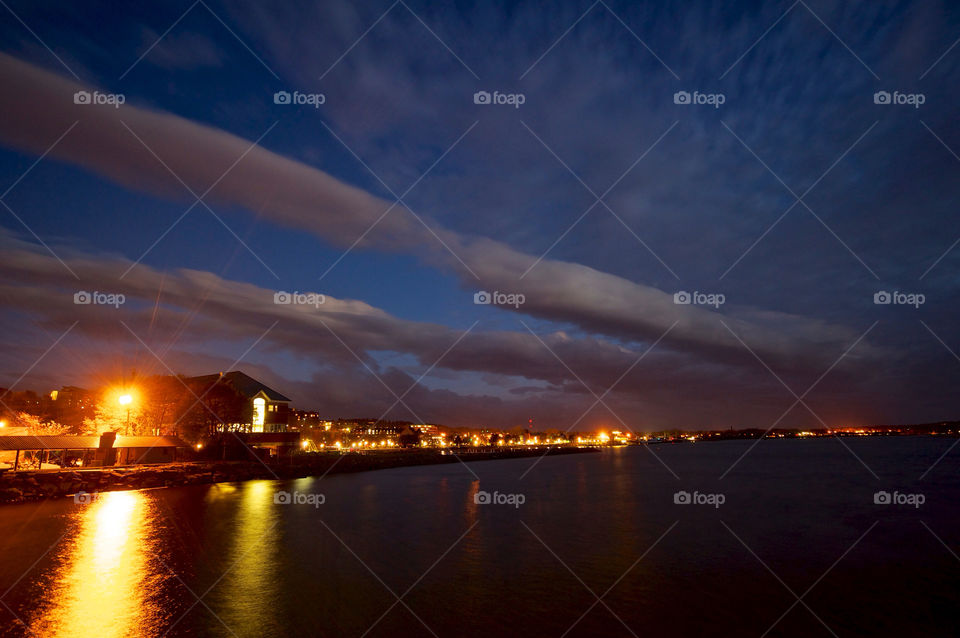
point(258, 414)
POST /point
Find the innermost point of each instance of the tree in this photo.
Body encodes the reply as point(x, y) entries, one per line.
point(35, 425)
point(219, 408)
point(161, 395)
point(109, 415)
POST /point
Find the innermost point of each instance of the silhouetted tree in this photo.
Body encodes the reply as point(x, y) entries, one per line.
point(220, 408)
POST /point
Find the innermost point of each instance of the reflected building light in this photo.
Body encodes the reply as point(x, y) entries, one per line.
point(248, 595)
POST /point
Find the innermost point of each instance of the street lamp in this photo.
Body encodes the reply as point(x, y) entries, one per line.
point(126, 399)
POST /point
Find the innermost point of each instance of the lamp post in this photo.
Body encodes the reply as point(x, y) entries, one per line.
point(126, 399)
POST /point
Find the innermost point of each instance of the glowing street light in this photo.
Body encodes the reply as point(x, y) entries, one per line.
point(125, 399)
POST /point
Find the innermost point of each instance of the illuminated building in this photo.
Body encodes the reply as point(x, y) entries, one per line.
point(427, 429)
point(270, 410)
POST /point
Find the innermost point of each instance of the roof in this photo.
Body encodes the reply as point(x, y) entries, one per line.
point(148, 441)
point(49, 442)
point(65, 442)
point(242, 383)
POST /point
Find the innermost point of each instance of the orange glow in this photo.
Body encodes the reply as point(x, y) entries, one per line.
point(105, 577)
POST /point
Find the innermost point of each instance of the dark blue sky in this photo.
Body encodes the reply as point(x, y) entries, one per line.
point(694, 198)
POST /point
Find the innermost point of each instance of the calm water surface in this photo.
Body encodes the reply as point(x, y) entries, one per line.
point(798, 521)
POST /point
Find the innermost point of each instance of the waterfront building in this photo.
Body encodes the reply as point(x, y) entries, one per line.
point(269, 410)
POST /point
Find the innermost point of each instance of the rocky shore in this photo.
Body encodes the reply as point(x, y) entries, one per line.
point(22, 486)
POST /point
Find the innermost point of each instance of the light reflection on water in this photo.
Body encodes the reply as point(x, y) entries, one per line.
point(267, 569)
point(247, 595)
point(106, 572)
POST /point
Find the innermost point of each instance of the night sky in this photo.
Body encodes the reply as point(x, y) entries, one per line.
point(820, 168)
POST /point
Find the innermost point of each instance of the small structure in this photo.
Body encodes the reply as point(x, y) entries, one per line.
point(134, 450)
point(278, 443)
point(90, 451)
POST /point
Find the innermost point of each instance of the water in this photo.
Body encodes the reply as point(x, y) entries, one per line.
point(798, 515)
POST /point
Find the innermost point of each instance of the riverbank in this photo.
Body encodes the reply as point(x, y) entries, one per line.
point(23, 486)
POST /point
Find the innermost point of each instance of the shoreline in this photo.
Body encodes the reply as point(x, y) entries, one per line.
point(32, 485)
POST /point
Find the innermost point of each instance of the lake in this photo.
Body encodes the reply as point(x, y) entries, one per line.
point(790, 542)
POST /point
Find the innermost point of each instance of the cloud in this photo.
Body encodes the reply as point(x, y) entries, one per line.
point(189, 318)
point(39, 107)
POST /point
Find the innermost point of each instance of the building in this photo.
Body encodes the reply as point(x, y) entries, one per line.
point(269, 410)
point(306, 419)
point(135, 450)
point(378, 429)
point(62, 451)
point(275, 444)
point(428, 430)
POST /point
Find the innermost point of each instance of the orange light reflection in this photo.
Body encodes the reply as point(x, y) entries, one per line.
point(103, 586)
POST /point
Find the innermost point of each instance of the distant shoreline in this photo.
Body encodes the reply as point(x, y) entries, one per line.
point(33, 485)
